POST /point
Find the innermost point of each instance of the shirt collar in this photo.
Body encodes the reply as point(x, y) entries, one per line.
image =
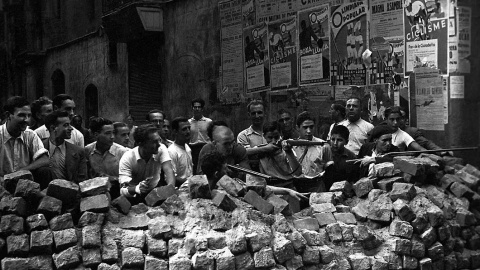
point(136, 153)
point(201, 119)
point(251, 131)
point(51, 147)
point(6, 135)
point(111, 150)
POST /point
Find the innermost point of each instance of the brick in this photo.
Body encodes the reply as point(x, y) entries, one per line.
point(258, 202)
point(401, 229)
point(152, 263)
point(179, 262)
point(50, 207)
point(379, 263)
point(362, 187)
point(216, 240)
point(10, 180)
point(41, 242)
point(387, 183)
point(244, 261)
point(443, 232)
point(403, 210)
point(435, 251)
point(61, 222)
point(380, 210)
point(90, 218)
point(468, 179)
point(429, 236)
point(322, 197)
point(294, 263)
point(279, 205)
point(173, 205)
point(133, 238)
point(343, 186)
point(109, 250)
point(383, 170)
point(418, 248)
point(63, 190)
point(156, 247)
point(222, 201)
point(91, 257)
point(307, 224)
point(327, 254)
point(474, 259)
point(98, 203)
point(14, 263)
point(18, 245)
point(403, 191)
point(359, 261)
point(324, 218)
point(334, 232)
point(203, 260)
point(132, 257)
point(465, 217)
point(199, 187)
point(400, 246)
point(347, 232)
point(298, 241)
point(419, 224)
point(323, 207)
point(91, 237)
point(341, 208)
point(361, 211)
point(281, 225)
point(158, 195)
point(425, 264)
point(314, 238)
point(11, 224)
point(448, 179)
point(347, 218)
point(282, 249)
point(409, 262)
point(41, 262)
point(461, 190)
point(473, 242)
point(28, 189)
point(122, 204)
point(231, 186)
point(14, 205)
point(374, 194)
point(67, 259)
point(160, 229)
point(293, 203)
point(132, 221)
point(36, 222)
point(236, 241)
point(64, 239)
point(311, 255)
point(413, 166)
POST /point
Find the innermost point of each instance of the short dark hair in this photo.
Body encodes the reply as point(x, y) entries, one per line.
point(58, 100)
point(117, 125)
point(37, 105)
point(212, 163)
point(52, 119)
point(255, 102)
point(176, 122)
point(393, 109)
point(270, 127)
point(142, 132)
point(342, 131)
point(15, 102)
point(147, 116)
point(198, 100)
point(304, 116)
point(340, 108)
point(212, 125)
point(97, 123)
point(282, 111)
point(379, 131)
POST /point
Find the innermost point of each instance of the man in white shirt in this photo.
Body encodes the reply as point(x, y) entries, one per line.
point(63, 102)
point(180, 152)
point(198, 129)
point(141, 167)
point(357, 127)
point(400, 138)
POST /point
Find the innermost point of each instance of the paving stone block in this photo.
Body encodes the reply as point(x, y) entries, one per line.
point(465, 217)
point(91, 257)
point(94, 186)
point(160, 229)
point(419, 224)
point(63, 190)
point(36, 222)
point(133, 238)
point(473, 242)
point(324, 218)
point(343, 186)
point(264, 258)
point(158, 195)
point(236, 241)
point(387, 183)
point(90, 218)
point(18, 245)
point(64, 239)
point(403, 191)
point(216, 240)
point(435, 251)
point(409, 262)
point(41, 262)
point(306, 224)
point(199, 187)
point(359, 261)
point(383, 170)
point(460, 190)
point(109, 250)
point(448, 179)
point(362, 187)
point(380, 210)
point(244, 261)
point(11, 224)
point(179, 262)
point(418, 248)
point(132, 257)
point(13, 205)
point(91, 236)
point(347, 232)
point(294, 263)
point(28, 189)
point(347, 218)
point(173, 205)
point(282, 249)
point(67, 259)
point(98, 203)
point(361, 211)
point(468, 179)
point(401, 229)
point(429, 236)
point(425, 264)
point(41, 242)
point(61, 222)
point(258, 202)
point(401, 246)
point(323, 208)
point(311, 255)
point(15, 263)
point(10, 180)
point(293, 204)
point(379, 263)
point(413, 166)
point(298, 241)
point(222, 201)
point(133, 221)
point(314, 238)
point(334, 232)
point(231, 186)
point(50, 207)
point(322, 197)
point(122, 204)
point(327, 254)
point(152, 263)
point(403, 210)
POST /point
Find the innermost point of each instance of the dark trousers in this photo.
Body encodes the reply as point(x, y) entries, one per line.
point(195, 152)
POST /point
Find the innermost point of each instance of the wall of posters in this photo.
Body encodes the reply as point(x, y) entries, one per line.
point(429, 99)
point(314, 42)
point(231, 51)
point(425, 22)
point(282, 50)
point(248, 13)
point(348, 41)
point(257, 62)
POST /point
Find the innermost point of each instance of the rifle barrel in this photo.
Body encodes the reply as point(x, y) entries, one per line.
point(303, 143)
point(431, 151)
point(238, 168)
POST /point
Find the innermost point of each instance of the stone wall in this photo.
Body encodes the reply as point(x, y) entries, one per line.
point(416, 213)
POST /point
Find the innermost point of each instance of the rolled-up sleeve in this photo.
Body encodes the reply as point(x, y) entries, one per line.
point(125, 170)
point(37, 147)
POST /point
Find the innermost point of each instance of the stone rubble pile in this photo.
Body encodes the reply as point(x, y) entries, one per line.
point(416, 213)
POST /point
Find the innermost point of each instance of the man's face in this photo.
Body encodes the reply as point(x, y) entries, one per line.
point(68, 105)
point(403, 122)
point(157, 120)
point(166, 128)
point(152, 144)
point(285, 121)
point(44, 111)
point(77, 122)
point(383, 143)
point(183, 132)
point(197, 109)
point(333, 113)
point(106, 136)
point(20, 118)
point(63, 129)
point(306, 130)
point(272, 136)
point(122, 136)
point(338, 143)
point(353, 110)
point(224, 142)
point(394, 120)
point(256, 114)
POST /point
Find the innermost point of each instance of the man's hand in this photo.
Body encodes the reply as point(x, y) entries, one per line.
point(297, 195)
point(286, 146)
point(270, 148)
point(366, 161)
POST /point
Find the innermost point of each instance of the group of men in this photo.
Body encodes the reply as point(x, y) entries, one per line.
point(136, 159)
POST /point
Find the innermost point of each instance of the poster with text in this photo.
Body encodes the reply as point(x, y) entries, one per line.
point(348, 41)
point(429, 99)
point(381, 96)
point(256, 58)
point(314, 45)
point(273, 10)
point(464, 23)
point(386, 40)
point(248, 13)
point(231, 51)
point(282, 50)
point(426, 21)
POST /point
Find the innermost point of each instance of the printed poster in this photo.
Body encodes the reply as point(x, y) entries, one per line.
point(445, 99)
point(348, 42)
point(380, 97)
point(283, 54)
point(248, 13)
point(314, 44)
point(273, 10)
point(457, 87)
point(429, 99)
point(426, 22)
point(231, 51)
point(464, 38)
point(386, 40)
point(256, 58)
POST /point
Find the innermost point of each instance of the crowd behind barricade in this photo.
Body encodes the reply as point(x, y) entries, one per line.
point(47, 138)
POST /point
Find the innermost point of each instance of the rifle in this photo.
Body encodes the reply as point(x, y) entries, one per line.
point(409, 153)
point(238, 168)
point(304, 143)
